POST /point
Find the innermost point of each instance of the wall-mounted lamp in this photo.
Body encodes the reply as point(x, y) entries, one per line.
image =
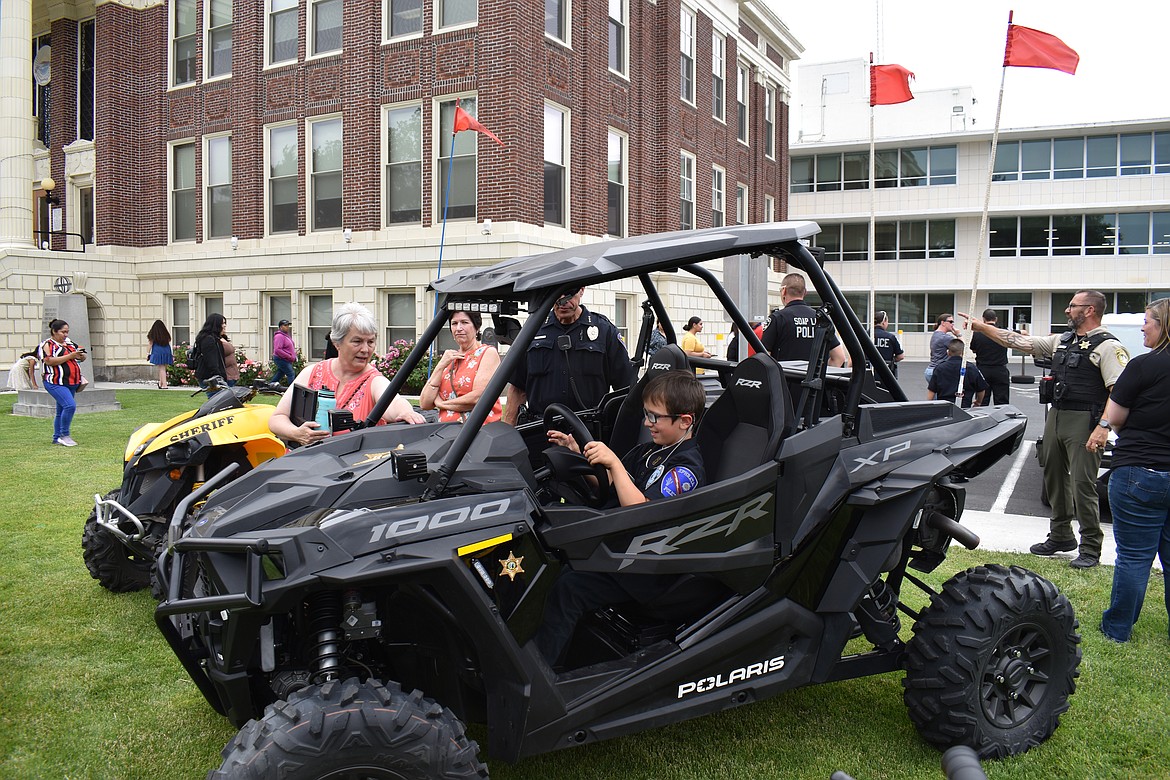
point(347, 234)
point(487, 226)
point(48, 184)
point(235, 242)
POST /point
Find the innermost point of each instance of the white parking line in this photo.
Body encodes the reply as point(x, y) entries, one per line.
point(1009, 484)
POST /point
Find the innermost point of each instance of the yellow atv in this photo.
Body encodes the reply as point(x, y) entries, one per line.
point(164, 463)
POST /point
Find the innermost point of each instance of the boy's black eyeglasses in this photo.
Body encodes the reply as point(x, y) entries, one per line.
point(652, 418)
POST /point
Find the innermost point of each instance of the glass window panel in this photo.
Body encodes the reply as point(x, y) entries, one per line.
point(1162, 152)
point(886, 168)
point(829, 239)
point(554, 189)
point(1003, 238)
point(1133, 233)
point(911, 308)
point(458, 12)
point(183, 176)
point(554, 134)
point(284, 205)
point(554, 18)
point(617, 35)
point(282, 146)
point(615, 190)
point(1131, 302)
point(327, 145)
point(1135, 154)
point(181, 321)
point(404, 130)
point(326, 26)
point(1035, 159)
point(185, 23)
point(828, 172)
point(913, 167)
point(400, 317)
point(1066, 234)
point(1033, 236)
point(942, 237)
point(220, 41)
point(885, 240)
point(802, 174)
point(856, 170)
point(219, 208)
point(219, 161)
point(326, 201)
point(220, 12)
point(936, 304)
point(1058, 301)
point(184, 215)
point(1100, 234)
point(1068, 158)
point(185, 59)
point(320, 323)
point(1160, 222)
point(1101, 156)
point(405, 17)
point(1007, 161)
point(404, 193)
point(461, 198)
point(912, 240)
point(887, 302)
point(855, 241)
point(718, 204)
point(944, 164)
point(283, 36)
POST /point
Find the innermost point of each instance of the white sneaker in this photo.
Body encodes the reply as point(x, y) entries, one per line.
point(67, 441)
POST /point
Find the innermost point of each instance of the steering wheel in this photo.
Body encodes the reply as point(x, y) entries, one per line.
point(596, 497)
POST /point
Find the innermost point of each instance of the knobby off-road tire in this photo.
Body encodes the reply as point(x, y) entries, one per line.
point(354, 730)
point(109, 561)
point(993, 661)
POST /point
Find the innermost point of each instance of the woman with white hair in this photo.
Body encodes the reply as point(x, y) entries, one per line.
point(348, 381)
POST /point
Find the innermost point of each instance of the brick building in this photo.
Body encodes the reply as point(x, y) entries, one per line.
point(266, 160)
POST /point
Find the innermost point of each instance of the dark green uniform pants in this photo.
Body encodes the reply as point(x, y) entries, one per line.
point(1070, 477)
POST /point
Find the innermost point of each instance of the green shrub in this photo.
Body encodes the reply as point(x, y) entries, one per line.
point(395, 356)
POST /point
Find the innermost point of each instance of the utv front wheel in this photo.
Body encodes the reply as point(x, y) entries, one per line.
point(110, 562)
point(352, 729)
point(993, 661)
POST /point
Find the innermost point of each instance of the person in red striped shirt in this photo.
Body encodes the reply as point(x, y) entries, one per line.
point(61, 360)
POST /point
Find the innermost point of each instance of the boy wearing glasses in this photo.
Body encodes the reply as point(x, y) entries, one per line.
point(668, 465)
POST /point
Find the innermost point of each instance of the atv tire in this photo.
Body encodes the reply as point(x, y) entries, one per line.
point(117, 568)
point(993, 661)
point(352, 729)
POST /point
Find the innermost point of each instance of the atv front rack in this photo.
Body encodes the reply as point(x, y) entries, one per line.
point(109, 515)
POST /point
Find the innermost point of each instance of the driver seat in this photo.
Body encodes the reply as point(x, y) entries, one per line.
point(628, 429)
point(746, 424)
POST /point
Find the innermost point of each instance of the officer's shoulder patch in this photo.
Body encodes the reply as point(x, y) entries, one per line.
point(1122, 355)
point(677, 481)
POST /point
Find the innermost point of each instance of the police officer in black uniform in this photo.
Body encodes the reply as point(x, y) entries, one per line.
point(886, 342)
point(992, 361)
point(791, 330)
point(575, 359)
point(1086, 362)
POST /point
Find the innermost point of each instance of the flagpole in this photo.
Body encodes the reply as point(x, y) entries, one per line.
point(872, 206)
point(442, 235)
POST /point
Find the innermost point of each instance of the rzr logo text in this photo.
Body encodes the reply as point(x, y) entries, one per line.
point(670, 539)
point(748, 383)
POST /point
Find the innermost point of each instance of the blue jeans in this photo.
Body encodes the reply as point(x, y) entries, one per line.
point(928, 373)
point(66, 407)
point(284, 368)
point(1140, 500)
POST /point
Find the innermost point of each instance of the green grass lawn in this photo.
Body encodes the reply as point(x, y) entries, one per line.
point(89, 689)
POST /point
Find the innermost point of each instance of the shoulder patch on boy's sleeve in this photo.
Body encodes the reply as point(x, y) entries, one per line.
point(677, 481)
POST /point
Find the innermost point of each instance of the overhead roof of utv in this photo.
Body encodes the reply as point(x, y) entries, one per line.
point(600, 262)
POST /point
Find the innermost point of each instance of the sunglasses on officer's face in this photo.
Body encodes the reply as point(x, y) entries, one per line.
point(566, 298)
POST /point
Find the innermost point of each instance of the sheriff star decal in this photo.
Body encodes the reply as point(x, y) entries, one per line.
point(512, 566)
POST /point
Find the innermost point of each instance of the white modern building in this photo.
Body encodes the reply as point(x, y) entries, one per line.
point(1071, 207)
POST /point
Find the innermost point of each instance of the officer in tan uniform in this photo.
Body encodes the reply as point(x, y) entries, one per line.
point(1086, 361)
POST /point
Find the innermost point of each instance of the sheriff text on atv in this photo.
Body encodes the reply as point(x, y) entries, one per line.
point(351, 605)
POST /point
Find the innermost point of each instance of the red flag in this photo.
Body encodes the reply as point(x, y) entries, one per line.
point(889, 84)
point(465, 121)
point(1028, 48)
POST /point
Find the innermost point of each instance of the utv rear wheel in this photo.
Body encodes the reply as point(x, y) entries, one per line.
point(993, 661)
point(109, 561)
point(354, 730)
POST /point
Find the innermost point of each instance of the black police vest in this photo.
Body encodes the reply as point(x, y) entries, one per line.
point(1078, 382)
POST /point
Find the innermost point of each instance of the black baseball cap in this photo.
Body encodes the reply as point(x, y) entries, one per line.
point(282, 323)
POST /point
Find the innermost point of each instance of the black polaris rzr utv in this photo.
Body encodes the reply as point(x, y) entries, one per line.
point(352, 604)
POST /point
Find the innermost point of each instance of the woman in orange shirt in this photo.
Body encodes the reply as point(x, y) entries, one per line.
point(462, 373)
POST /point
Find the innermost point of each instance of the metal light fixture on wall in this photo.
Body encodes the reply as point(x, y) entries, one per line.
point(487, 226)
point(347, 234)
point(235, 242)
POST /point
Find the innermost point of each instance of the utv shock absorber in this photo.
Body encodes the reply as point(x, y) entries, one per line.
point(325, 631)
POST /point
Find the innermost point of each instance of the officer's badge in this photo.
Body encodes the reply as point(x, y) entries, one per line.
point(1084, 344)
point(592, 332)
point(512, 566)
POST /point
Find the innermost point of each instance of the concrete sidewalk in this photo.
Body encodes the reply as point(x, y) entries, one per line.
point(1016, 533)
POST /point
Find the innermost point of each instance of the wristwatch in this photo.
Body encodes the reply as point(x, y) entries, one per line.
point(1103, 423)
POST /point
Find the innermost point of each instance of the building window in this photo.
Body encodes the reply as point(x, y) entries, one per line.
point(457, 159)
point(686, 57)
point(324, 138)
point(741, 204)
point(742, 85)
point(404, 165)
point(282, 179)
point(85, 214)
point(85, 84)
point(404, 17)
point(617, 36)
point(622, 306)
point(1121, 233)
point(279, 308)
point(916, 167)
point(218, 48)
point(218, 182)
point(180, 320)
point(555, 186)
point(212, 304)
point(718, 69)
point(616, 185)
point(183, 191)
point(282, 31)
point(325, 20)
point(400, 317)
point(40, 89)
point(556, 14)
point(718, 196)
point(686, 217)
point(320, 323)
point(453, 12)
point(769, 208)
point(911, 312)
point(184, 39)
point(770, 122)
